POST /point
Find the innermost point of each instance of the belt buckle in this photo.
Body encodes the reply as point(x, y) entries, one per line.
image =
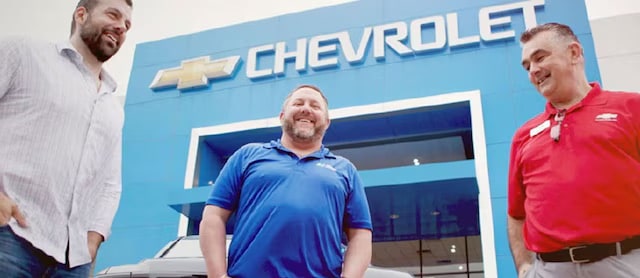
point(572, 256)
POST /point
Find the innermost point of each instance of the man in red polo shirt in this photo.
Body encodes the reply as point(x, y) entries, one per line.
point(574, 173)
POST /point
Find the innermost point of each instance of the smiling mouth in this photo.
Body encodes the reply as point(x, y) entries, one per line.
point(111, 38)
point(543, 79)
point(305, 121)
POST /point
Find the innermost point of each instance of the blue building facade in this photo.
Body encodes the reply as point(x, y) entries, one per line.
point(412, 74)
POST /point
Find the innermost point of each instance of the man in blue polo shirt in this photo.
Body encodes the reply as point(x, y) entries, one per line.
point(293, 199)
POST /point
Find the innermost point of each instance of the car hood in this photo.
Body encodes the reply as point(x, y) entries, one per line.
point(375, 272)
point(175, 267)
point(190, 267)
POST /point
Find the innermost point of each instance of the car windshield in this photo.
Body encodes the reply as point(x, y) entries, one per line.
point(188, 247)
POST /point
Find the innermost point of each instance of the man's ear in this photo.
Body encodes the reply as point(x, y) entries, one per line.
point(576, 52)
point(80, 15)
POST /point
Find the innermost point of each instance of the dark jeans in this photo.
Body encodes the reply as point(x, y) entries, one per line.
point(18, 258)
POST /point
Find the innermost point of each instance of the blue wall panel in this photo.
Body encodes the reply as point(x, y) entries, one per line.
point(159, 123)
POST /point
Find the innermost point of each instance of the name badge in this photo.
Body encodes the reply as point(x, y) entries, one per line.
point(536, 130)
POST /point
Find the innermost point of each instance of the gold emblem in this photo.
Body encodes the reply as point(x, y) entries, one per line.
point(195, 72)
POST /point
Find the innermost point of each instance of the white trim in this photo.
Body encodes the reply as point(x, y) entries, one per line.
point(183, 225)
point(487, 236)
point(479, 146)
point(190, 172)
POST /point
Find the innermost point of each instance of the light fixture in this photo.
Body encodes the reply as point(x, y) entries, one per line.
point(394, 216)
point(460, 267)
point(416, 162)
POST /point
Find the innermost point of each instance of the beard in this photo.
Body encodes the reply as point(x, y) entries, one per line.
point(91, 35)
point(302, 134)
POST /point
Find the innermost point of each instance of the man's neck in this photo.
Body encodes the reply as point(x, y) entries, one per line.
point(89, 60)
point(300, 148)
point(574, 95)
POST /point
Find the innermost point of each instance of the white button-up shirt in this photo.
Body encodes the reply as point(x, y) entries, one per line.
point(60, 146)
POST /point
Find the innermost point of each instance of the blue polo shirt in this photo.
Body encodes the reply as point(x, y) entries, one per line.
point(291, 212)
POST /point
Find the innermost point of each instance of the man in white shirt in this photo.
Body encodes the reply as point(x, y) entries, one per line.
point(60, 145)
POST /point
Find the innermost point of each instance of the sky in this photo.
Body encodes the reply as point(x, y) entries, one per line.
point(158, 19)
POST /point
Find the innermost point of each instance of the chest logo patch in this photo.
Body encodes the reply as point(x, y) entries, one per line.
point(607, 117)
point(327, 166)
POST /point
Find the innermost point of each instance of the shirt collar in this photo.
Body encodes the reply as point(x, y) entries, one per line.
point(593, 98)
point(67, 49)
point(323, 152)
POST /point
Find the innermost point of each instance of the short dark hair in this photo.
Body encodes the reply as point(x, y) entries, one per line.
point(313, 87)
point(561, 30)
point(88, 5)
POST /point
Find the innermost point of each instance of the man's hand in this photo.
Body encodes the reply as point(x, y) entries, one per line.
point(94, 240)
point(522, 272)
point(522, 258)
point(8, 209)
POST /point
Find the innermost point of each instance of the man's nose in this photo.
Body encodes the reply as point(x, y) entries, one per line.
point(305, 108)
point(120, 27)
point(533, 71)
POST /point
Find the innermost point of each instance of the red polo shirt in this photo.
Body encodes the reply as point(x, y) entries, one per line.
point(585, 187)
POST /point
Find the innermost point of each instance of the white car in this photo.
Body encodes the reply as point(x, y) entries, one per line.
point(182, 258)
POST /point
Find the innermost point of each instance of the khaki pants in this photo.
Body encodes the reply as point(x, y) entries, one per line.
point(625, 266)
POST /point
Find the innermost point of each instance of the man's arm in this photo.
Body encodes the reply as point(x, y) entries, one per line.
point(94, 239)
point(358, 255)
point(521, 256)
point(516, 211)
point(213, 236)
point(106, 204)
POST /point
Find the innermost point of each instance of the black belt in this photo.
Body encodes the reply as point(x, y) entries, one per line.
point(592, 252)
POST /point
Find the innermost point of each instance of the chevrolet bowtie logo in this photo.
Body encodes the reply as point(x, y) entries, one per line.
point(195, 73)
